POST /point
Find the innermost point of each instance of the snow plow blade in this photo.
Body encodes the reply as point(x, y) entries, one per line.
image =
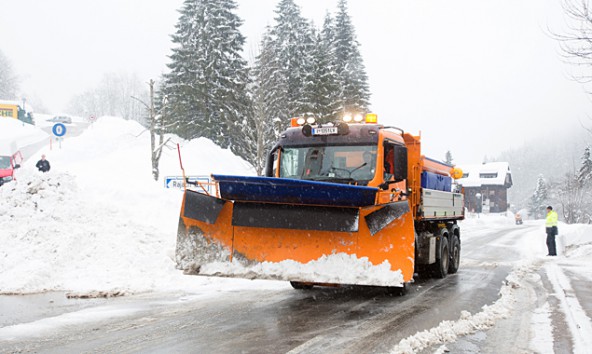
point(301, 231)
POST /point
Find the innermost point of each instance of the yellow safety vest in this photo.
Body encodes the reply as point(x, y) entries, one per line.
point(551, 219)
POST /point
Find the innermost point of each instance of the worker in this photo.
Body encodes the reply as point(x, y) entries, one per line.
point(389, 168)
point(551, 228)
point(366, 170)
point(43, 164)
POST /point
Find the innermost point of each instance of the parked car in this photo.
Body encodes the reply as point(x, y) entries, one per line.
point(9, 163)
point(61, 119)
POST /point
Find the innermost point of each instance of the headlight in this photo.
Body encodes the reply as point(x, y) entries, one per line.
point(7, 178)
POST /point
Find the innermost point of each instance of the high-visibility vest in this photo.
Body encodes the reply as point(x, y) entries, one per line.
point(551, 219)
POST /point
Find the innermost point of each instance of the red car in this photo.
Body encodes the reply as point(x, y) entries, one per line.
point(8, 163)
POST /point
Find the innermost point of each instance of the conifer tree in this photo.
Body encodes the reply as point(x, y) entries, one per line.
point(449, 158)
point(208, 78)
point(292, 39)
point(585, 172)
point(352, 77)
point(584, 178)
point(320, 83)
point(539, 198)
point(268, 108)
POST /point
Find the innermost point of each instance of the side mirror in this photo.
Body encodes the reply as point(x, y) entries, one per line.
point(400, 163)
point(17, 166)
point(269, 164)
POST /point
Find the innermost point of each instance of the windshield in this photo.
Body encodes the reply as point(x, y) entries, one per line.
point(343, 164)
point(4, 162)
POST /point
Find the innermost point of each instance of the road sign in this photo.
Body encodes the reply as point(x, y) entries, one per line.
point(177, 182)
point(59, 129)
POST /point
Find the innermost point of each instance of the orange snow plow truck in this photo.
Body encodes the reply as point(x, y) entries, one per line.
point(349, 202)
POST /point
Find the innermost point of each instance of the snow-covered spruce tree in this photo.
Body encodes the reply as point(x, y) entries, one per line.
point(293, 41)
point(539, 198)
point(585, 172)
point(207, 83)
point(585, 180)
point(352, 77)
point(448, 157)
point(323, 91)
point(263, 127)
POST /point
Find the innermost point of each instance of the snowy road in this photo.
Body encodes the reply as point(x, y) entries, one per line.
point(345, 320)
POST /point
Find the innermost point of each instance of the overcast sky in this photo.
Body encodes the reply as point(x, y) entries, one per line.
point(475, 77)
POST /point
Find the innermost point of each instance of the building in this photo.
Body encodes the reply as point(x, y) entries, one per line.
point(14, 109)
point(486, 187)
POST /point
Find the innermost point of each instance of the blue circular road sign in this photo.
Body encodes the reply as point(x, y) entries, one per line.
point(59, 129)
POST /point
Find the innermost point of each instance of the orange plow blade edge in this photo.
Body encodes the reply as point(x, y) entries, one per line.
point(357, 245)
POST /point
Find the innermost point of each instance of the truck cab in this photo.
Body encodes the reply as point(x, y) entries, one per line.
point(355, 153)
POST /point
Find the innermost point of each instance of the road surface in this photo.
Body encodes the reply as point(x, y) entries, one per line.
point(32, 153)
point(321, 320)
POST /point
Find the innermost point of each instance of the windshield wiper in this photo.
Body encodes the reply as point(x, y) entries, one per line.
point(331, 179)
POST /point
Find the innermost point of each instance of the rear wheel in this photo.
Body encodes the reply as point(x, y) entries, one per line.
point(398, 290)
point(440, 268)
point(301, 286)
point(454, 256)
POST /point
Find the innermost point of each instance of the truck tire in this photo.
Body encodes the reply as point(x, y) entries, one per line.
point(454, 255)
point(301, 286)
point(398, 290)
point(440, 268)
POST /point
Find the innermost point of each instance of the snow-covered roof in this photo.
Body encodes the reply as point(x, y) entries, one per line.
point(28, 107)
point(489, 174)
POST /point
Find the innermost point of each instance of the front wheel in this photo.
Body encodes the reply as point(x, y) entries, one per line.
point(301, 286)
point(398, 290)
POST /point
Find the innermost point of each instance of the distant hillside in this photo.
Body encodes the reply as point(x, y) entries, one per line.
point(552, 156)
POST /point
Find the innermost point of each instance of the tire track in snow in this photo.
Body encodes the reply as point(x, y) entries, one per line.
point(579, 324)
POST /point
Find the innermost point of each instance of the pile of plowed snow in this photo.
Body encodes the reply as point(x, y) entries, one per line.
point(98, 222)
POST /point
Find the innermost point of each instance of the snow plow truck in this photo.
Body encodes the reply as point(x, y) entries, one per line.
point(350, 202)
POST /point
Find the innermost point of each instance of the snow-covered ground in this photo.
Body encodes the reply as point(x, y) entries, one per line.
point(574, 249)
point(98, 224)
point(14, 134)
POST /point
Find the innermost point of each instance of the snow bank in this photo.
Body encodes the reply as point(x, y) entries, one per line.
point(98, 222)
point(15, 134)
point(449, 331)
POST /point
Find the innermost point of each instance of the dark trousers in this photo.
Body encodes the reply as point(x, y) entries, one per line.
point(551, 232)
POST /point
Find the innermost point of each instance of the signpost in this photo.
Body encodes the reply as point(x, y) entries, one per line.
point(176, 182)
point(59, 130)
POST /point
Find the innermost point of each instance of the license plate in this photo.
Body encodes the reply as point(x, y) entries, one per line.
point(324, 131)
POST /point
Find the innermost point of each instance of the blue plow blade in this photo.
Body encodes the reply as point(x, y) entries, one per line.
point(294, 191)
